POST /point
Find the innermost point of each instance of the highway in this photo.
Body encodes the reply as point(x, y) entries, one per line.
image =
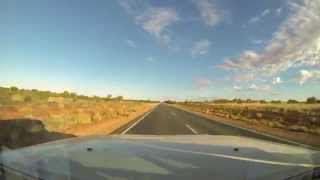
point(167, 120)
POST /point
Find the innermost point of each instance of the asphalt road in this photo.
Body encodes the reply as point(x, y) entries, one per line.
point(168, 120)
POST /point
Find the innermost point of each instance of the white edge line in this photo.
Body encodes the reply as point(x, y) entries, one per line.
point(254, 131)
point(191, 129)
point(146, 114)
point(307, 165)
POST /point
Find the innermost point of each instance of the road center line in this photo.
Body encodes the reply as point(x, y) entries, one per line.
point(145, 115)
point(191, 129)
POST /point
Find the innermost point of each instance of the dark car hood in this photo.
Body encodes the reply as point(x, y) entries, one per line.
point(161, 157)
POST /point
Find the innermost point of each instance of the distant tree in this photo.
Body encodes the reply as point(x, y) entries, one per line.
point(13, 89)
point(235, 100)
point(276, 102)
point(263, 101)
point(43, 95)
point(311, 100)
point(83, 97)
point(292, 101)
point(118, 98)
point(170, 102)
point(221, 101)
point(96, 97)
point(250, 101)
point(108, 98)
point(65, 93)
point(73, 94)
point(34, 90)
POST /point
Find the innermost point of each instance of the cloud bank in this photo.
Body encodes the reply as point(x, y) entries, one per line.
point(295, 44)
point(305, 75)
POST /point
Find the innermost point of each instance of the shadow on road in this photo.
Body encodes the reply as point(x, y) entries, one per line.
point(16, 133)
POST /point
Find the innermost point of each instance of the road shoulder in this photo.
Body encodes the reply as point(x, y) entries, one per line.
point(301, 139)
point(124, 128)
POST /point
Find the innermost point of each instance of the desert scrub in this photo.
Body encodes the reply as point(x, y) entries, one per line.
point(60, 111)
point(301, 117)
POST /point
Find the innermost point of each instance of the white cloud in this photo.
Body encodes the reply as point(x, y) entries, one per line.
point(210, 14)
point(295, 44)
point(237, 88)
point(305, 75)
point(279, 11)
point(265, 12)
point(276, 80)
point(200, 47)
point(131, 43)
point(254, 19)
point(156, 20)
point(255, 87)
point(248, 59)
point(259, 17)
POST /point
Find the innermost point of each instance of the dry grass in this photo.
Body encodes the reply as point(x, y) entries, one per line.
point(268, 126)
point(298, 117)
point(278, 107)
point(61, 116)
point(22, 111)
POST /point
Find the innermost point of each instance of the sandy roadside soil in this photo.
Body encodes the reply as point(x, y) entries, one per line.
point(106, 127)
point(299, 137)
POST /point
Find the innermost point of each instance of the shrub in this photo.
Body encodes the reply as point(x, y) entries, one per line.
point(27, 98)
point(312, 100)
point(237, 100)
point(170, 102)
point(221, 101)
point(13, 89)
point(276, 102)
point(292, 101)
point(65, 94)
point(73, 95)
point(249, 101)
point(109, 97)
point(118, 98)
point(263, 102)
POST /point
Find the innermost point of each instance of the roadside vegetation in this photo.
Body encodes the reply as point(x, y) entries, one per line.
point(290, 115)
point(22, 112)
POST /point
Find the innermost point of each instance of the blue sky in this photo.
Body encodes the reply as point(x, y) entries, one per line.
point(163, 49)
